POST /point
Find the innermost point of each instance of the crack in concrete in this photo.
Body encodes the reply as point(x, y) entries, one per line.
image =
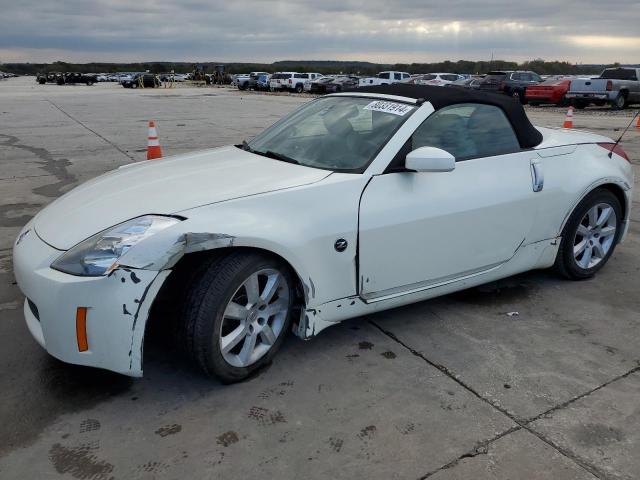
point(57, 168)
point(92, 131)
point(482, 447)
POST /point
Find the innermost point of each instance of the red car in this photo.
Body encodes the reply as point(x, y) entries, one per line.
point(549, 91)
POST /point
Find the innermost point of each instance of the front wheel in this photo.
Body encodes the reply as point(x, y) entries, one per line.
point(237, 314)
point(590, 235)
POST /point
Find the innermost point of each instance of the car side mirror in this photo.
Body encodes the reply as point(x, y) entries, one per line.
point(430, 159)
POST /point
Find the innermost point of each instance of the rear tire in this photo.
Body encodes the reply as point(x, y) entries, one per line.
point(244, 300)
point(299, 88)
point(620, 103)
point(589, 236)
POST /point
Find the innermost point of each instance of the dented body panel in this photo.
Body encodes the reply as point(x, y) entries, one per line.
point(118, 306)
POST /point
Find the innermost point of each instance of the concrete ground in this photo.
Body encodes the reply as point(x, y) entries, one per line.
point(452, 388)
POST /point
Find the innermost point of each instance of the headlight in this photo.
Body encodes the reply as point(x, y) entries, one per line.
point(97, 255)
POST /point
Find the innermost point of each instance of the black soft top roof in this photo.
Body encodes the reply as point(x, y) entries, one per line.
point(439, 97)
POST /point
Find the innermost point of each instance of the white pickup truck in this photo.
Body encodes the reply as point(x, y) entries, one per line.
point(291, 81)
point(619, 87)
point(384, 78)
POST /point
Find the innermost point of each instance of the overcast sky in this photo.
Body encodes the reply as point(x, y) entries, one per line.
point(389, 31)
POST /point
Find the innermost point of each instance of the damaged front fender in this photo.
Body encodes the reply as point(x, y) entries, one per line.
point(164, 252)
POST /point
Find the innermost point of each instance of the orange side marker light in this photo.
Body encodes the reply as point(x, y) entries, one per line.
point(81, 329)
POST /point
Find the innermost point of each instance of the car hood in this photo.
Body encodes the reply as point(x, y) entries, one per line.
point(165, 186)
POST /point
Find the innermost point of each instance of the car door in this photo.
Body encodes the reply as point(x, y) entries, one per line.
point(417, 230)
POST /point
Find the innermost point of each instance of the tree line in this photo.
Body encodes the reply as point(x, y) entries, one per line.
point(540, 66)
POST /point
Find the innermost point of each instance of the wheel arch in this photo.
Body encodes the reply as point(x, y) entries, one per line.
point(615, 186)
point(175, 287)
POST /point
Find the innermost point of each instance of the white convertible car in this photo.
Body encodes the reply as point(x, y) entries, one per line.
point(354, 203)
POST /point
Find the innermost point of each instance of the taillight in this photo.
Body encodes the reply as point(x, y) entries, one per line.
point(609, 85)
point(290, 82)
point(612, 147)
point(503, 86)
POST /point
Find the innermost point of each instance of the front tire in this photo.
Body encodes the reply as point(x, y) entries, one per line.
point(590, 235)
point(237, 314)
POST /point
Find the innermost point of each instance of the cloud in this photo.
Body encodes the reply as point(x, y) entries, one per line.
point(268, 30)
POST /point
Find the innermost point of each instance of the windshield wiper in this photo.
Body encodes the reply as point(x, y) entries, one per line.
point(280, 156)
point(270, 154)
point(276, 156)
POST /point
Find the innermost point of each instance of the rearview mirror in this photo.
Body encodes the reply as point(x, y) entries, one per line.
point(430, 159)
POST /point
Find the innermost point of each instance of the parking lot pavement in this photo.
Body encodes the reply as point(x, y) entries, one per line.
point(459, 387)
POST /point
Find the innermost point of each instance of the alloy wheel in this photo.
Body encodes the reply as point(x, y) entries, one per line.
point(254, 318)
point(595, 236)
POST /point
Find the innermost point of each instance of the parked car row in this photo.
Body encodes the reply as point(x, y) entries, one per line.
point(66, 78)
point(617, 86)
point(7, 75)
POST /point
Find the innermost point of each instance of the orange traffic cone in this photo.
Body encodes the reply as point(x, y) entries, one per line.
point(638, 122)
point(153, 145)
point(568, 119)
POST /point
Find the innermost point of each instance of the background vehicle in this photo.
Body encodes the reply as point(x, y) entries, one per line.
point(239, 78)
point(73, 78)
point(250, 82)
point(472, 82)
point(384, 78)
point(553, 90)
point(341, 83)
point(279, 80)
point(263, 82)
point(315, 78)
point(145, 80)
point(619, 87)
point(319, 85)
point(437, 79)
point(512, 83)
point(49, 77)
point(298, 80)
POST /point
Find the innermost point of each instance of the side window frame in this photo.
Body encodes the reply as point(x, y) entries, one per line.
point(410, 141)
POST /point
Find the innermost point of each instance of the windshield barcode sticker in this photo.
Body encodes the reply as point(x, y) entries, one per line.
point(389, 107)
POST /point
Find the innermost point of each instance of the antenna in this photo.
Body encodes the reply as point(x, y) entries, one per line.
point(625, 131)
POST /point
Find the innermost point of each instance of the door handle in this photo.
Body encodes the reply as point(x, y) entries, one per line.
point(537, 176)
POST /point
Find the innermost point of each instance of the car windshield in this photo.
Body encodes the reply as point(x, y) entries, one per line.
point(338, 133)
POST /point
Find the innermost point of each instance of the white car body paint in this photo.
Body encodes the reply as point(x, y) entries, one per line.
point(437, 239)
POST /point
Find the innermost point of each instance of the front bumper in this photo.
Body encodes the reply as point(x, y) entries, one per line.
point(118, 307)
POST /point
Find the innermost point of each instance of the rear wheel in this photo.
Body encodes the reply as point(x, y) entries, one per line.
point(237, 314)
point(620, 102)
point(299, 88)
point(590, 235)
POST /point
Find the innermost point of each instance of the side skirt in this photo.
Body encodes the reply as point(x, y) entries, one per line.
point(529, 257)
